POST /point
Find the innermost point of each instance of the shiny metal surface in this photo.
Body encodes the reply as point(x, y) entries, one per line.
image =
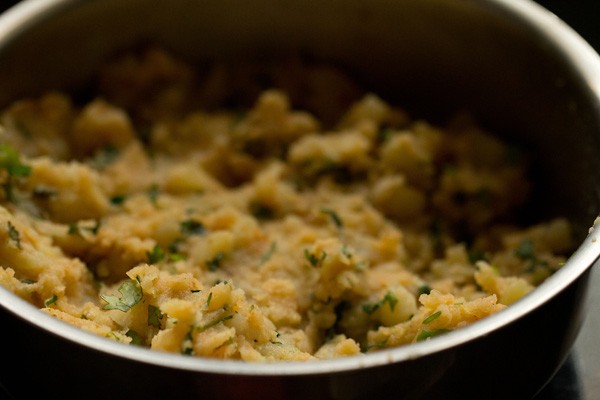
point(586, 350)
point(517, 66)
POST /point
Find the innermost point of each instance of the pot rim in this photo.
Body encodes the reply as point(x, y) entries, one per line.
point(565, 40)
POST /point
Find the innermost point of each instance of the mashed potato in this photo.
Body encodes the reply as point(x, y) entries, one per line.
point(158, 213)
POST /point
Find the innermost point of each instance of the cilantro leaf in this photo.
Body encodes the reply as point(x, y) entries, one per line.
point(334, 217)
point(14, 235)
point(154, 316)
point(156, 255)
point(191, 227)
point(425, 334)
point(432, 317)
point(131, 294)
point(389, 298)
point(215, 263)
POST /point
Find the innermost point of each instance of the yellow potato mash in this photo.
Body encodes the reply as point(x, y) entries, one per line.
point(158, 212)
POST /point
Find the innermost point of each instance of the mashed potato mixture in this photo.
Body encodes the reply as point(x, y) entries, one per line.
point(158, 212)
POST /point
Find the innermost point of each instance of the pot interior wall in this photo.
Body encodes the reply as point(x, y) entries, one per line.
point(433, 57)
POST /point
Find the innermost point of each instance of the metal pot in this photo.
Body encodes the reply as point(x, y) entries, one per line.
point(518, 67)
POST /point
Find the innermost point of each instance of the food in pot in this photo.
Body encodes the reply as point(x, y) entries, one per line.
point(320, 221)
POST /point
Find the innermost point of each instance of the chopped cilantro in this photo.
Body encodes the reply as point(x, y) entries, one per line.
point(10, 161)
point(378, 345)
point(425, 334)
point(525, 250)
point(73, 229)
point(104, 157)
point(214, 322)
point(131, 294)
point(136, 339)
point(267, 256)
point(476, 255)
point(14, 234)
point(191, 227)
point(432, 317)
point(50, 300)
point(156, 255)
point(389, 298)
point(176, 257)
point(154, 316)
point(423, 289)
point(334, 217)
point(187, 347)
point(313, 259)
point(153, 192)
point(384, 134)
point(346, 251)
point(215, 262)
point(118, 199)
point(94, 229)
point(174, 246)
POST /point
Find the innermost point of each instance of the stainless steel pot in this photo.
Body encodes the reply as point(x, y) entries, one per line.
point(519, 68)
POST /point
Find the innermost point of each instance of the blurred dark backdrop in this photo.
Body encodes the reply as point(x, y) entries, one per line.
point(582, 15)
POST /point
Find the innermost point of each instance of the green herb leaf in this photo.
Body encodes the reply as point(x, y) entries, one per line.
point(432, 317)
point(425, 334)
point(14, 235)
point(131, 294)
point(525, 250)
point(383, 134)
point(476, 255)
point(424, 289)
point(313, 259)
point(104, 157)
point(334, 217)
point(156, 255)
point(389, 298)
point(346, 251)
point(10, 161)
point(154, 316)
point(267, 256)
point(93, 229)
point(215, 263)
point(215, 322)
point(136, 339)
point(73, 229)
point(153, 192)
point(191, 227)
point(378, 345)
point(118, 199)
point(51, 300)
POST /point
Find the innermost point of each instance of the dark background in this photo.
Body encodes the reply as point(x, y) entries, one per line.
point(584, 17)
